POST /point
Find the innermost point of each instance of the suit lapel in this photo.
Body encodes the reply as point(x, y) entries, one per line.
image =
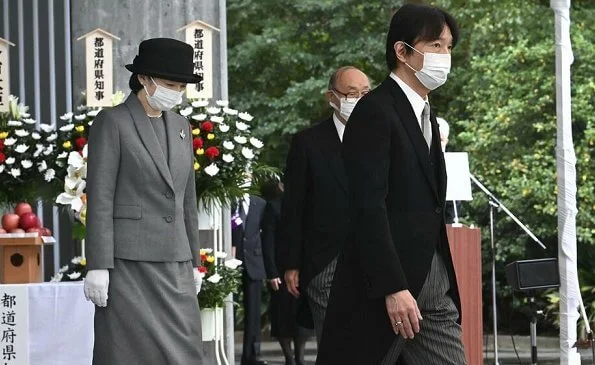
point(175, 143)
point(441, 170)
point(333, 147)
point(148, 137)
point(250, 215)
point(409, 122)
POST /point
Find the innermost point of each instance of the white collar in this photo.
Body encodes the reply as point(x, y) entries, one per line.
point(339, 126)
point(416, 101)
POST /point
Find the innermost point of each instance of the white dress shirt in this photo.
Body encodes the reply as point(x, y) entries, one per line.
point(416, 101)
point(340, 126)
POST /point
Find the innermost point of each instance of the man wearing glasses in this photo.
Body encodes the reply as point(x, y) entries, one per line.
point(314, 213)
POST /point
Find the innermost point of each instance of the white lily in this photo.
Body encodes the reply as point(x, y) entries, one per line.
point(245, 116)
point(67, 128)
point(10, 141)
point(240, 139)
point(232, 263)
point(67, 116)
point(199, 117)
point(22, 148)
point(215, 278)
point(186, 111)
point(15, 173)
point(230, 111)
point(242, 126)
point(74, 189)
point(212, 169)
point(46, 127)
point(200, 103)
point(228, 145)
point(257, 143)
point(248, 153)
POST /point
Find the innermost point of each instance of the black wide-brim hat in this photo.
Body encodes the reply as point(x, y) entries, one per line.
point(165, 58)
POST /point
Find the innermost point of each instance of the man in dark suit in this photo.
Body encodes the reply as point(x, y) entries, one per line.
point(247, 245)
point(314, 209)
point(396, 266)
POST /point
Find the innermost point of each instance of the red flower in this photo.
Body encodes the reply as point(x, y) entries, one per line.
point(81, 142)
point(202, 269)
point(197, 143)
point(212, 152)
point(207, 127)
point(2, 157)
point(203, 257)
point(1, 144)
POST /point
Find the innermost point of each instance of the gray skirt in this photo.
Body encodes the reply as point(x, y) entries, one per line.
point(152, 316)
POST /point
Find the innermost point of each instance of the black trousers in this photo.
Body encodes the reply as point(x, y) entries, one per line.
point(252, 292)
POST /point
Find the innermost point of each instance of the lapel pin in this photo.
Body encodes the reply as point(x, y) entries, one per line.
point(182, 134)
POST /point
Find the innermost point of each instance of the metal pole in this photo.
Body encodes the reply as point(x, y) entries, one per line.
point(494, 309)
point(6, 24)
point(68, 56)
point(21, 26)
point(533, 330)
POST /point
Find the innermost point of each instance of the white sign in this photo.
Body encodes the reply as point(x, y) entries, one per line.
point(459, 180)
point(200, 36)
point(14, 310)
point(4, 75)
point(99, 56)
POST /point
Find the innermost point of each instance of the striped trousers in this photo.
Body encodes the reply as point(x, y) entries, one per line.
point(439, 339)
point(318, 291)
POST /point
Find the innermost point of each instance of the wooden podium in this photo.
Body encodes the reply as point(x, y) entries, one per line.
point(21, 259)
point(465, 248)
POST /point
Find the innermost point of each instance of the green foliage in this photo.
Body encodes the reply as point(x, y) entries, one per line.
point(500, 99)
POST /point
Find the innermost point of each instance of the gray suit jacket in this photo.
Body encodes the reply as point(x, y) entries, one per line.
point(140, 207)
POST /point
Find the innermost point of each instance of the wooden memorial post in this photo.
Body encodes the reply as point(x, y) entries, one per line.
point(4, 75)
point(21, 258)
point(200, 36)
point(99, 55)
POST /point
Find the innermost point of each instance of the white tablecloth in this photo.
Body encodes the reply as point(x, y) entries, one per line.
point(60, 324)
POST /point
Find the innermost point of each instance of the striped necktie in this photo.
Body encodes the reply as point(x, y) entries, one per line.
point(426, 127)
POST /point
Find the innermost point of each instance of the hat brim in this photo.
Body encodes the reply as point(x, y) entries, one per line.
point(187, 78)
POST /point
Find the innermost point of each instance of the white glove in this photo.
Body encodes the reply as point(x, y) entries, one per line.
point(197, 279)
point(96, 284)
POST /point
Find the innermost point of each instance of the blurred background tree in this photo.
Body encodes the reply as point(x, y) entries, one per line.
point(499, 100)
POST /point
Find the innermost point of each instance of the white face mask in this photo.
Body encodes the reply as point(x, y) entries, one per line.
point(163, 98)
point(435, 69)
point(346, 105)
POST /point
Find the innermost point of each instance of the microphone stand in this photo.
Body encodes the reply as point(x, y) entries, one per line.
point(495, 203)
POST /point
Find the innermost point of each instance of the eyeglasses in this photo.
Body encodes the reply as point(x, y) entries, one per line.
point(350, 95)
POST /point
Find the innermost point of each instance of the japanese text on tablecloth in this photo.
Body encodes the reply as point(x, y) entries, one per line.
point(8, 325)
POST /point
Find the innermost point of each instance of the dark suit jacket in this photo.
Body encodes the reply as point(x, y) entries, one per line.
point(270, 233)
point(314, 210)
point(397, 195)
point(247, 240)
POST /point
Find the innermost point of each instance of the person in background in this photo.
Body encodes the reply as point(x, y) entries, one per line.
point(314, 211)
point(283, 306)
point(142, 220)
point(247, 247)
point(449, 210)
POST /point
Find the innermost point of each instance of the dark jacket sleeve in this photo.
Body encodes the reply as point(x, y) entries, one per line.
point(366, 154)
point(269, 227)
point(292, 208)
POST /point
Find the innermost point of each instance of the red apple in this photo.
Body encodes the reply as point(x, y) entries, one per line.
point(38, 230)
point(29, 220)
point(10, 221)
point(23, 208)
point(17, 230)
point(46, 231)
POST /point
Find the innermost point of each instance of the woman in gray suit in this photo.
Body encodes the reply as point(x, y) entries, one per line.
point(142, 222)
